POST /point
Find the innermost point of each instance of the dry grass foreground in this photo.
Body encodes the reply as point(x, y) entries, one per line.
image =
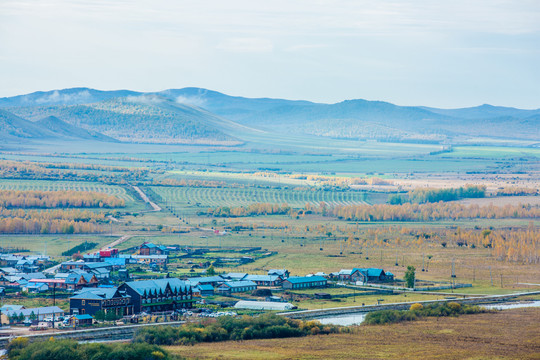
point(509, 334)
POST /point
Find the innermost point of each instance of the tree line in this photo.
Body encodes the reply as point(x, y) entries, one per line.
point(19, 221)
point(266, 326)
point(58, 199)
point(429, 195)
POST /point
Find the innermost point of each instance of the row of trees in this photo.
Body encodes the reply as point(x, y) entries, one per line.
point(254, 209)
point(429, 195)
point(46, 171)
point(517, 191)
point(385, 212)
point(427, 212)
point(50, 222)
point(58, 199)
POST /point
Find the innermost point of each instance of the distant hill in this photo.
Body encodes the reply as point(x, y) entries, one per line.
point(73, 96)
point(195, 115)
point(142, 119)
point(13, 127)
point(63, 129)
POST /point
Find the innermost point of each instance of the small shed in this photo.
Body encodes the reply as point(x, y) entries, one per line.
point(82, 320)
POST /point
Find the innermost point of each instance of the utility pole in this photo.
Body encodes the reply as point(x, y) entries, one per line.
point(423, 263)
point(453, 268)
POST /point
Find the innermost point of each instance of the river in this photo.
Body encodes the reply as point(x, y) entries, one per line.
point(358, 318)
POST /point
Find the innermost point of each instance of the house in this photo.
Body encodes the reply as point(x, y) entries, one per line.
point(304, 282)
point(365, 275)
point(78, 280)
point(159, 294)
point(148, 259)
point(231, 287)
point(234, 276)
point(33, 287)
point(210, 280)
point(81, 320)
point(71, 265)
point(108, 253)
point(203, 290)
point(265, 280)
point(283, 273)
point(26, 266)
point(116, 263)
point(37, 314)
point(107, 299)
point(152, 249)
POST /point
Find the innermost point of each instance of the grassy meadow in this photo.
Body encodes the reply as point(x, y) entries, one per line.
point(510, 334)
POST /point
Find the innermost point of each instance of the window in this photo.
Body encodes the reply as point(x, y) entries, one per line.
point(83, 302)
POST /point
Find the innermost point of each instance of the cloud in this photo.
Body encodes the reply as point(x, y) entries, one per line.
point(191, 100)
point(246, 45)
point(56, 97)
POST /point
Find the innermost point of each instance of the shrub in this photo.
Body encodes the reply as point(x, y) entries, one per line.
point(417, 306)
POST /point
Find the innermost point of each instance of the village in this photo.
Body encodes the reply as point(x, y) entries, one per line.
point(99, 287)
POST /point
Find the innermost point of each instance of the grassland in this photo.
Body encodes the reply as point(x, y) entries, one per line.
point(509, 334)
point(52, 245)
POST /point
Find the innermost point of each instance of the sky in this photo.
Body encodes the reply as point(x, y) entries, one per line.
point(439, 53)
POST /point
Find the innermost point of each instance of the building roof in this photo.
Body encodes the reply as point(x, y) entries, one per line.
point(8, 307)
point(205, 287)
point(263, 305)
point(233, 275)
point(96, 294)
point(280, 272)
point(116, 261)
point(157, 285)
point(41, 311)
point(262, 277)
point(73, 278)
point(238, 284)
point(304, 279)
point(205, 280)
point(83, 317)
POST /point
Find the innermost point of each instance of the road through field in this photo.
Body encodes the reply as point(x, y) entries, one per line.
point(145, 198)
point(116, 242)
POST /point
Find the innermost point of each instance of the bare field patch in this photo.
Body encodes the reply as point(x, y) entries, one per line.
point(502, 201)
point(510, 334)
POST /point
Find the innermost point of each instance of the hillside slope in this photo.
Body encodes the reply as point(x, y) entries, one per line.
point(63, 129)
point(140, 119)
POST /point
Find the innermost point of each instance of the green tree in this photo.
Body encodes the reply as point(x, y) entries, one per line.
point(409, 276)
point(99, 315)
point(211, 271)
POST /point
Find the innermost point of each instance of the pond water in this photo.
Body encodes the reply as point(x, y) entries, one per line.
point(513, 305)
point(358, 318)
point(343, 320)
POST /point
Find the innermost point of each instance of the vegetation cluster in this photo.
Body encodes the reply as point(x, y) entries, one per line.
point(74, 221)
point(421, 196)
point(57, 199)
point(418, 311)
point(266, 326)
point(21, 349)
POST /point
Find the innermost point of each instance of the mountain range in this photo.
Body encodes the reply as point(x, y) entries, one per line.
point(200, 116)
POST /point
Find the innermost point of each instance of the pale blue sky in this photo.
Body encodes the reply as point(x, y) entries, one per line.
point(411, 52)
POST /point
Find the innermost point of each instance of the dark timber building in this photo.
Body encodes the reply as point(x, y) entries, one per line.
point(159, 295)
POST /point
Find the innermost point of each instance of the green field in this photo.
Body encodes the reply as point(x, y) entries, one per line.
point(185, 197)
